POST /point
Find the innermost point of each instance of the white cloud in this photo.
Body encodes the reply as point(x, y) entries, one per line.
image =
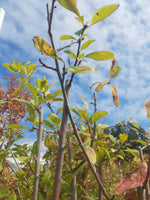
point(126, 32)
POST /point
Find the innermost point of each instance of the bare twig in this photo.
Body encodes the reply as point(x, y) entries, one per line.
point(69, 45)
point(46, 66)
point(95, 110)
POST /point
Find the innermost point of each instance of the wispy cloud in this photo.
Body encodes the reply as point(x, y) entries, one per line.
point(126, 33)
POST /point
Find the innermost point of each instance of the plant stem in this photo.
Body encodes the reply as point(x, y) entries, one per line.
point(73, 184)
point(37, 159)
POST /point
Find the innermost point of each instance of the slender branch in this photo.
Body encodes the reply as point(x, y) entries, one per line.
point(95, 110)
point(50, 107)
point(46, 66)
point(68, 109)
point(68, 45)
point(27, 184)
point(37, 159)
point(78, 52)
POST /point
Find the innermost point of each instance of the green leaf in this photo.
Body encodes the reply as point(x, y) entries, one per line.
point(46, 177)
point(90, 198)
point(54, 119)
point(140, 141)
point(67, 37)
point(57, 92)
point(101, 55)
point(72, 55)
point(79, 32)
point(23, 158)
point(101, 127)
point(70, 5)
point(4, 192)
point(3, 155)
point(123, 137)
point(81, 167)
point(12, 197)
point(48, 124)
point(85, 103)
point(82, 113)
point(59, 110)
point(86, 44)
point(35, 147)
point(103, 13)
point(15, 126)
point(80, 19)
point(81, 69)
point(42, 46)
point(96, 116)
point(10, 67)
point(113, 139)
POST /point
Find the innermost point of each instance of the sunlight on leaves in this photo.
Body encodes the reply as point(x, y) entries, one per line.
point(103, 13)
point(81, 69)
point(70, 5)
point(101, 55)
point(67, 37)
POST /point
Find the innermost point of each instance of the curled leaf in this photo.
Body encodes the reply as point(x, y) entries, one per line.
point(132, 180)
point(103, 12)
point(70, 5)
point(147, 108)
point(91, 153)
point(115, 96)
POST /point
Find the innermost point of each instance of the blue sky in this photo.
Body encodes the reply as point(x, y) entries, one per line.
point(126, 33)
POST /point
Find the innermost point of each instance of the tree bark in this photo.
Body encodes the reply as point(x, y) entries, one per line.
point(61, 147)
point(37, 159)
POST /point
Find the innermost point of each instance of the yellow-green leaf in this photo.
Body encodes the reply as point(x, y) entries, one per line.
point(81, 69)
point(71, 53)
point(115, 96)
point(96, 116)
point(123, 137)
point(101, 55)
point(99, 87)
point(15, 126)
point(70, 5)
point(103, 13)
point(80, 19)
point(147, 108)
point(42, 46)
point(86, 44)
point(67, 37)
point(91, 153)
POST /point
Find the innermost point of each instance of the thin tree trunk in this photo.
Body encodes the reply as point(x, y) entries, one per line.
point(61, 147)
point(37, 159)
point(73, 184)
